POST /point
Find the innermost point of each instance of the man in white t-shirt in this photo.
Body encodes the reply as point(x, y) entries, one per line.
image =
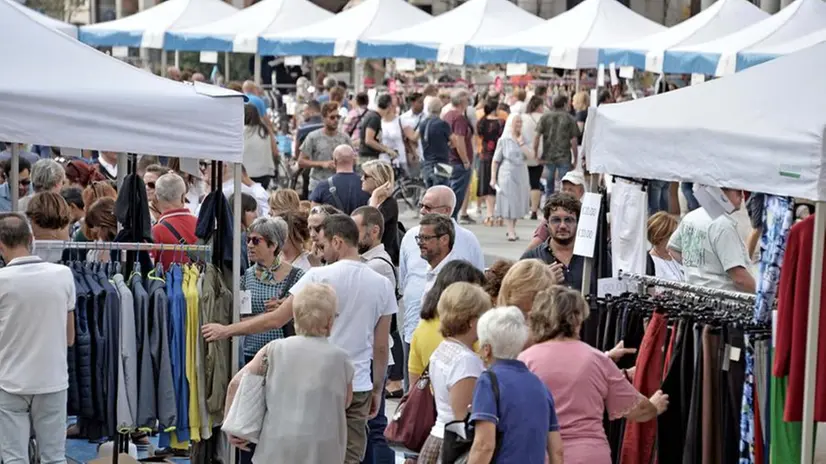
point(711, 250)
point(36, 327)
point(366, 304)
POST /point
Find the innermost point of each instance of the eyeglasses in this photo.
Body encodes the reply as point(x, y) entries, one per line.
point(366, 176)
point(150, 185)
point(316, 229)
point(424, 238)
point(556, 220)
point(256, 240)
point(334, 116)
point(429, 207)
point(25, 182)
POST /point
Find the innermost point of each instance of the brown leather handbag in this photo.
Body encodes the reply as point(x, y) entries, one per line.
point(414, 417)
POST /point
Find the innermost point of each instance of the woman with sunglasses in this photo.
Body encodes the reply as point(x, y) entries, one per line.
point(260, 147)
point(378, 180)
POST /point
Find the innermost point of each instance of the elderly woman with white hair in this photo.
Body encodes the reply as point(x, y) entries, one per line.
point(47, 176)
point(305, 421)
point(268, 281)
point(513, 412)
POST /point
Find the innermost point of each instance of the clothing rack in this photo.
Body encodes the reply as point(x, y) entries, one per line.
point(117, 246)
point(683, 287)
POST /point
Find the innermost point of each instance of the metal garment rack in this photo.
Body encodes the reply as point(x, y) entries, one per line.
point(117, 246)
point(683, 287)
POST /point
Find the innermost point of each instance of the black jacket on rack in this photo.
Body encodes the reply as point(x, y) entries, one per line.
point(132, 212)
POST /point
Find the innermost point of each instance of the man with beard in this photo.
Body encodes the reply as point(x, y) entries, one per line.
point(561, 212)
point(370, 223)
point(435, 239)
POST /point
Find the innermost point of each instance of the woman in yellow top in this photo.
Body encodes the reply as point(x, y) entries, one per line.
point(427, 337)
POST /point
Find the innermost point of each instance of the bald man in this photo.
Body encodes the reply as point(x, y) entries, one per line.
point(173, 73)
point(255, 96)
point(198, 77)
point(413, 269)
point(343, 189)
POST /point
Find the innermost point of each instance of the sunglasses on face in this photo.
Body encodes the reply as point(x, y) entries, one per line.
point(568, 220)
point(366, 176)
point(334, 116)
point(316, 229)
point(255, 240)
point(25, 182)
point(150, 185)
point(429, 207)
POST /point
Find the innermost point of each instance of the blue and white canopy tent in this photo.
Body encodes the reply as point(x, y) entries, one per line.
point(148, 28)
point(66, 28)
point(720, 19)
point(571, 40)
point(239, 32)
point(446, 37)
point(759, 55)
point(723, 56)
point(339, 35)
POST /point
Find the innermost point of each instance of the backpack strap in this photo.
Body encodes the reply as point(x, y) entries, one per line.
point(395, 274)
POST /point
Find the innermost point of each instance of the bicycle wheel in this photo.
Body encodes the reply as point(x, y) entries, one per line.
point(409, 195)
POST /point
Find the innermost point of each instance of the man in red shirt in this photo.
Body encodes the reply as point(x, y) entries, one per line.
point(176, 224)
point(461, 150)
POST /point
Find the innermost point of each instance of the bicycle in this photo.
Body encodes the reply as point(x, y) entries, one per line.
point(408, 191)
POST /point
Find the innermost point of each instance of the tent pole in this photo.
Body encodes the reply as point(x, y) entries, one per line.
point(226, 67)
point(257, 69)
point(14, 176)
point(807, 448)
point(163, 63)
point(577, 81)
point(177, 59)
point(236, 277)
point(123, 167)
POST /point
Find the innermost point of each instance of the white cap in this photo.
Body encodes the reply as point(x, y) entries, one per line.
point(574, 177)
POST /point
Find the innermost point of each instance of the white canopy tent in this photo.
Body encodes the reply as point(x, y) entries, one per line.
point(720, 19)
point(239, 33)
point(102, 103)
point(758, 55)
point(148, 28)
point(722, 56)
point(727, 132)
point(445, 37)
point(571, 40)
point(339, 35)
point(750, 140)
point(66, 28)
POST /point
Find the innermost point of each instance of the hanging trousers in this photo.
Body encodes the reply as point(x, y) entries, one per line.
point(732, 377)
point(693, 441)
point(640, 437)
point(712, 449)
point(677, 385)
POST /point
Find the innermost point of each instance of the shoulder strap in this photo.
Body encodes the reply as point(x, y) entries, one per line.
point(395, 273)
point(174, 232)
point(356, 124)
point(332, 189)
point(494, 385)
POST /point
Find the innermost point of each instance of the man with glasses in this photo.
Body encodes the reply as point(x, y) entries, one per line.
point(413, 268)
point(317, 149)
point(24, 182)
point(561, 213)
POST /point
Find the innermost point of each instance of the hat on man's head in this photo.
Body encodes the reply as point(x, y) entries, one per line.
point(574, 177)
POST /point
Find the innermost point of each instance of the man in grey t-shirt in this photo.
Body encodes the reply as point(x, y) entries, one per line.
point(316, 152)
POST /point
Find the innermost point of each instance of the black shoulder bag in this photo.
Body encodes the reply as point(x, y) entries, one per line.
point(454, 447)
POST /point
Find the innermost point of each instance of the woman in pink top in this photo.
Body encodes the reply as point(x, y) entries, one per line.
point(583, 380)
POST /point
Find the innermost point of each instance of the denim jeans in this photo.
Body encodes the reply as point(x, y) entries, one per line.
point(459, 182)
point(46, 414)
point(378, 451)
point(688, 193)
point(553, 168)
point(430, 178)
point(658, 196)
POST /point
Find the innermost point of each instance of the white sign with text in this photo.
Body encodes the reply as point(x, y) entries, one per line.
point(611, 286)
point(586, 231)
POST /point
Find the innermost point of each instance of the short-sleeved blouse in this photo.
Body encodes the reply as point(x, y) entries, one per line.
point(450, 363)
point(585, 382)
point(260, 293)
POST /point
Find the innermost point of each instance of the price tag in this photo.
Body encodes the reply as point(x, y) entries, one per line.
point(611, 286)
point(601, 76)
point(612, 71)
point(734, 355)
point(626, 72)
point(246, 303)
point(293, 60)
point(516, 69)
point(209, 57)
point(586, 232)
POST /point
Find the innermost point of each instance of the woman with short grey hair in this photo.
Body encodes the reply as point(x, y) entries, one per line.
point(512, 411)
point(305, 418)
point(47, 176)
